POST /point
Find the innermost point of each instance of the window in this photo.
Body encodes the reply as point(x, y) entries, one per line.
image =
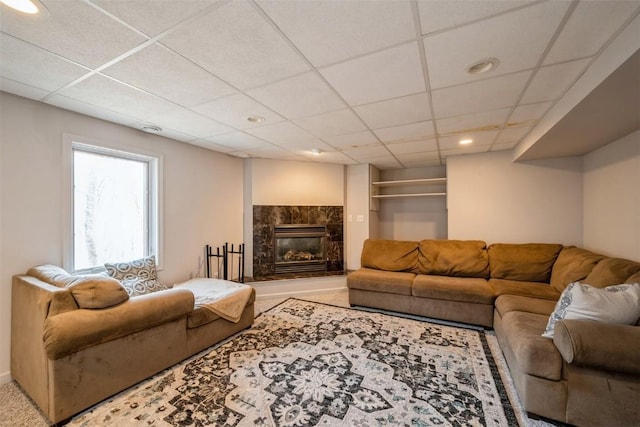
point(113, 206)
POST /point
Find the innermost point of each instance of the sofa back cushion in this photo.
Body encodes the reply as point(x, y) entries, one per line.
point(390, 255)
point(456, 258)
point(573, 264)
point(531, 262)
point(612, 271)
point(51, 274)
point(635, 278)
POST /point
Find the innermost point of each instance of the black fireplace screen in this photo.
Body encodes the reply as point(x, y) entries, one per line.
point(300, 248)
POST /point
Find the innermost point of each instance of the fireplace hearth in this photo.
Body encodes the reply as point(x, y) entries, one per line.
point(300, 248)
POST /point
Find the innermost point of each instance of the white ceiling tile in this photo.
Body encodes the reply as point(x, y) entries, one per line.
point(307, 145)
point(467, 149)
point(238, 141)
point(27, 64)
point(367, 152)
point(421, 163)
point(420, 157)
point(236, 44)
point(490, 94)
point(478, 121)
point(479, 139)
point(211, 145)
point(410, 147)
point(526, 113)
point(387, 74)
point(186, 121)
point(550, 82)
point(394, 112)
point(438, 15)
point(590, 26)
point(331, 124)
point(74, 30)
point(503, 147)
point(355, 139)
point(333, 157)
point(112, 95)
point(21, 89)
point(234, 110)
point(160, 71)
point(504, 37)
point(169, 133)
point(90, 110)
point(512, 135)
point(282, 133)
point(332, 31)
point(419, 130)
point(299, 96)
point(153, 16)
point(269, 152)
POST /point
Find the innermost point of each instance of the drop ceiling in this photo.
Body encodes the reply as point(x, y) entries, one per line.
point(380, 82)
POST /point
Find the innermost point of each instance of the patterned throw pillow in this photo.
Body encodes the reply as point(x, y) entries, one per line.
point(613, 304)
point(138, 276)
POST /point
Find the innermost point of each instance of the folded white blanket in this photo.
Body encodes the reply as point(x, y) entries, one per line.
point(225, 298)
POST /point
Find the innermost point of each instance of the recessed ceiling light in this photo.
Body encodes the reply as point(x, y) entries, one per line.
point(483, 66)
point(316, 151)
point(151, 129)
point(26, 6)
point(256, 119)
point(465, 141)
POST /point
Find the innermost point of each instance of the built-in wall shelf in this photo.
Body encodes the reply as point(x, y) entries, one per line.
point(391, 196)
point(405, 185)
point(421, 181)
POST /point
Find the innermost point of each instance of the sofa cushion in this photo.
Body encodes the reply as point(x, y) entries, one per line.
point(527, 289)
point(390, 255)
point(613, 304)
point(612, 271)
point(51, 274)
point(63, 336)
point(531, 262)
point(506, 303)
point(534, 354)
point(368, 279)
point(573, 264)
point(93, 292)
point(458, 258)
point(634, 278)
point(467, 289)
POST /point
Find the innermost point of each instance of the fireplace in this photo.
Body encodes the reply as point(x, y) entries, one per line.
point(300, 248)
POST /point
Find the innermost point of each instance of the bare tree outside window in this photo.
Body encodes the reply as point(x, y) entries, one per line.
point(110, 198)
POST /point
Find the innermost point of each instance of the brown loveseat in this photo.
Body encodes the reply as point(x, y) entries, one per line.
point(588, 374)
point(67, 353)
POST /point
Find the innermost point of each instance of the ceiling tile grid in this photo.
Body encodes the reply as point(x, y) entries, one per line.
point(382, 82)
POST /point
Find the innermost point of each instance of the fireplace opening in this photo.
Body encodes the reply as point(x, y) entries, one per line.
point(300, 248)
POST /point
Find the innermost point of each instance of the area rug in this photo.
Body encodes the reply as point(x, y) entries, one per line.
point(309, 364)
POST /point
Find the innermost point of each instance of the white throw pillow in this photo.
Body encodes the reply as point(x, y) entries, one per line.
point(613, 304)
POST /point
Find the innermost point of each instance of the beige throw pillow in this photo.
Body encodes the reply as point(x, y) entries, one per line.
point(97, 291)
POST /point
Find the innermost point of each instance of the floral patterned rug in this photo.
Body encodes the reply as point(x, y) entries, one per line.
point(310, 364)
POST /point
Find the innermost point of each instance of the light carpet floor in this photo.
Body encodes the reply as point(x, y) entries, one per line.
point(17, 410)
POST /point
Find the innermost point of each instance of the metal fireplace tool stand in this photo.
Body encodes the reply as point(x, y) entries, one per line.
point(225, 261)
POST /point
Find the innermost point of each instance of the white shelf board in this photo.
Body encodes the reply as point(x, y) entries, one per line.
point(410, 182)
point(390, 196)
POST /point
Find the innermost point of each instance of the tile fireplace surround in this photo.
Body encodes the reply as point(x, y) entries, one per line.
point(266, 217)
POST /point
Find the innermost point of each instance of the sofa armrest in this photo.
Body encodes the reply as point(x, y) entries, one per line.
point(603, 346)
point(73, 331)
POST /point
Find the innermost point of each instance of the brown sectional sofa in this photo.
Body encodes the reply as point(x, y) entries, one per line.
point(587, 375)
point(68, 358)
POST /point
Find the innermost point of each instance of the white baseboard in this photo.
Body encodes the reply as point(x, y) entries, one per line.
point(5, 378)
point(299, 287)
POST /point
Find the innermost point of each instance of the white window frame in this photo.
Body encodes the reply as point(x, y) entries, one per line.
point(155, 226)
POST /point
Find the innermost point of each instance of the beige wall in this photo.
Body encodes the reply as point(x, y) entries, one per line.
point(360, 222)
point(491, 198)
point(292, 183)
point(202, 195)
point(612, 199)
point(288, 183)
